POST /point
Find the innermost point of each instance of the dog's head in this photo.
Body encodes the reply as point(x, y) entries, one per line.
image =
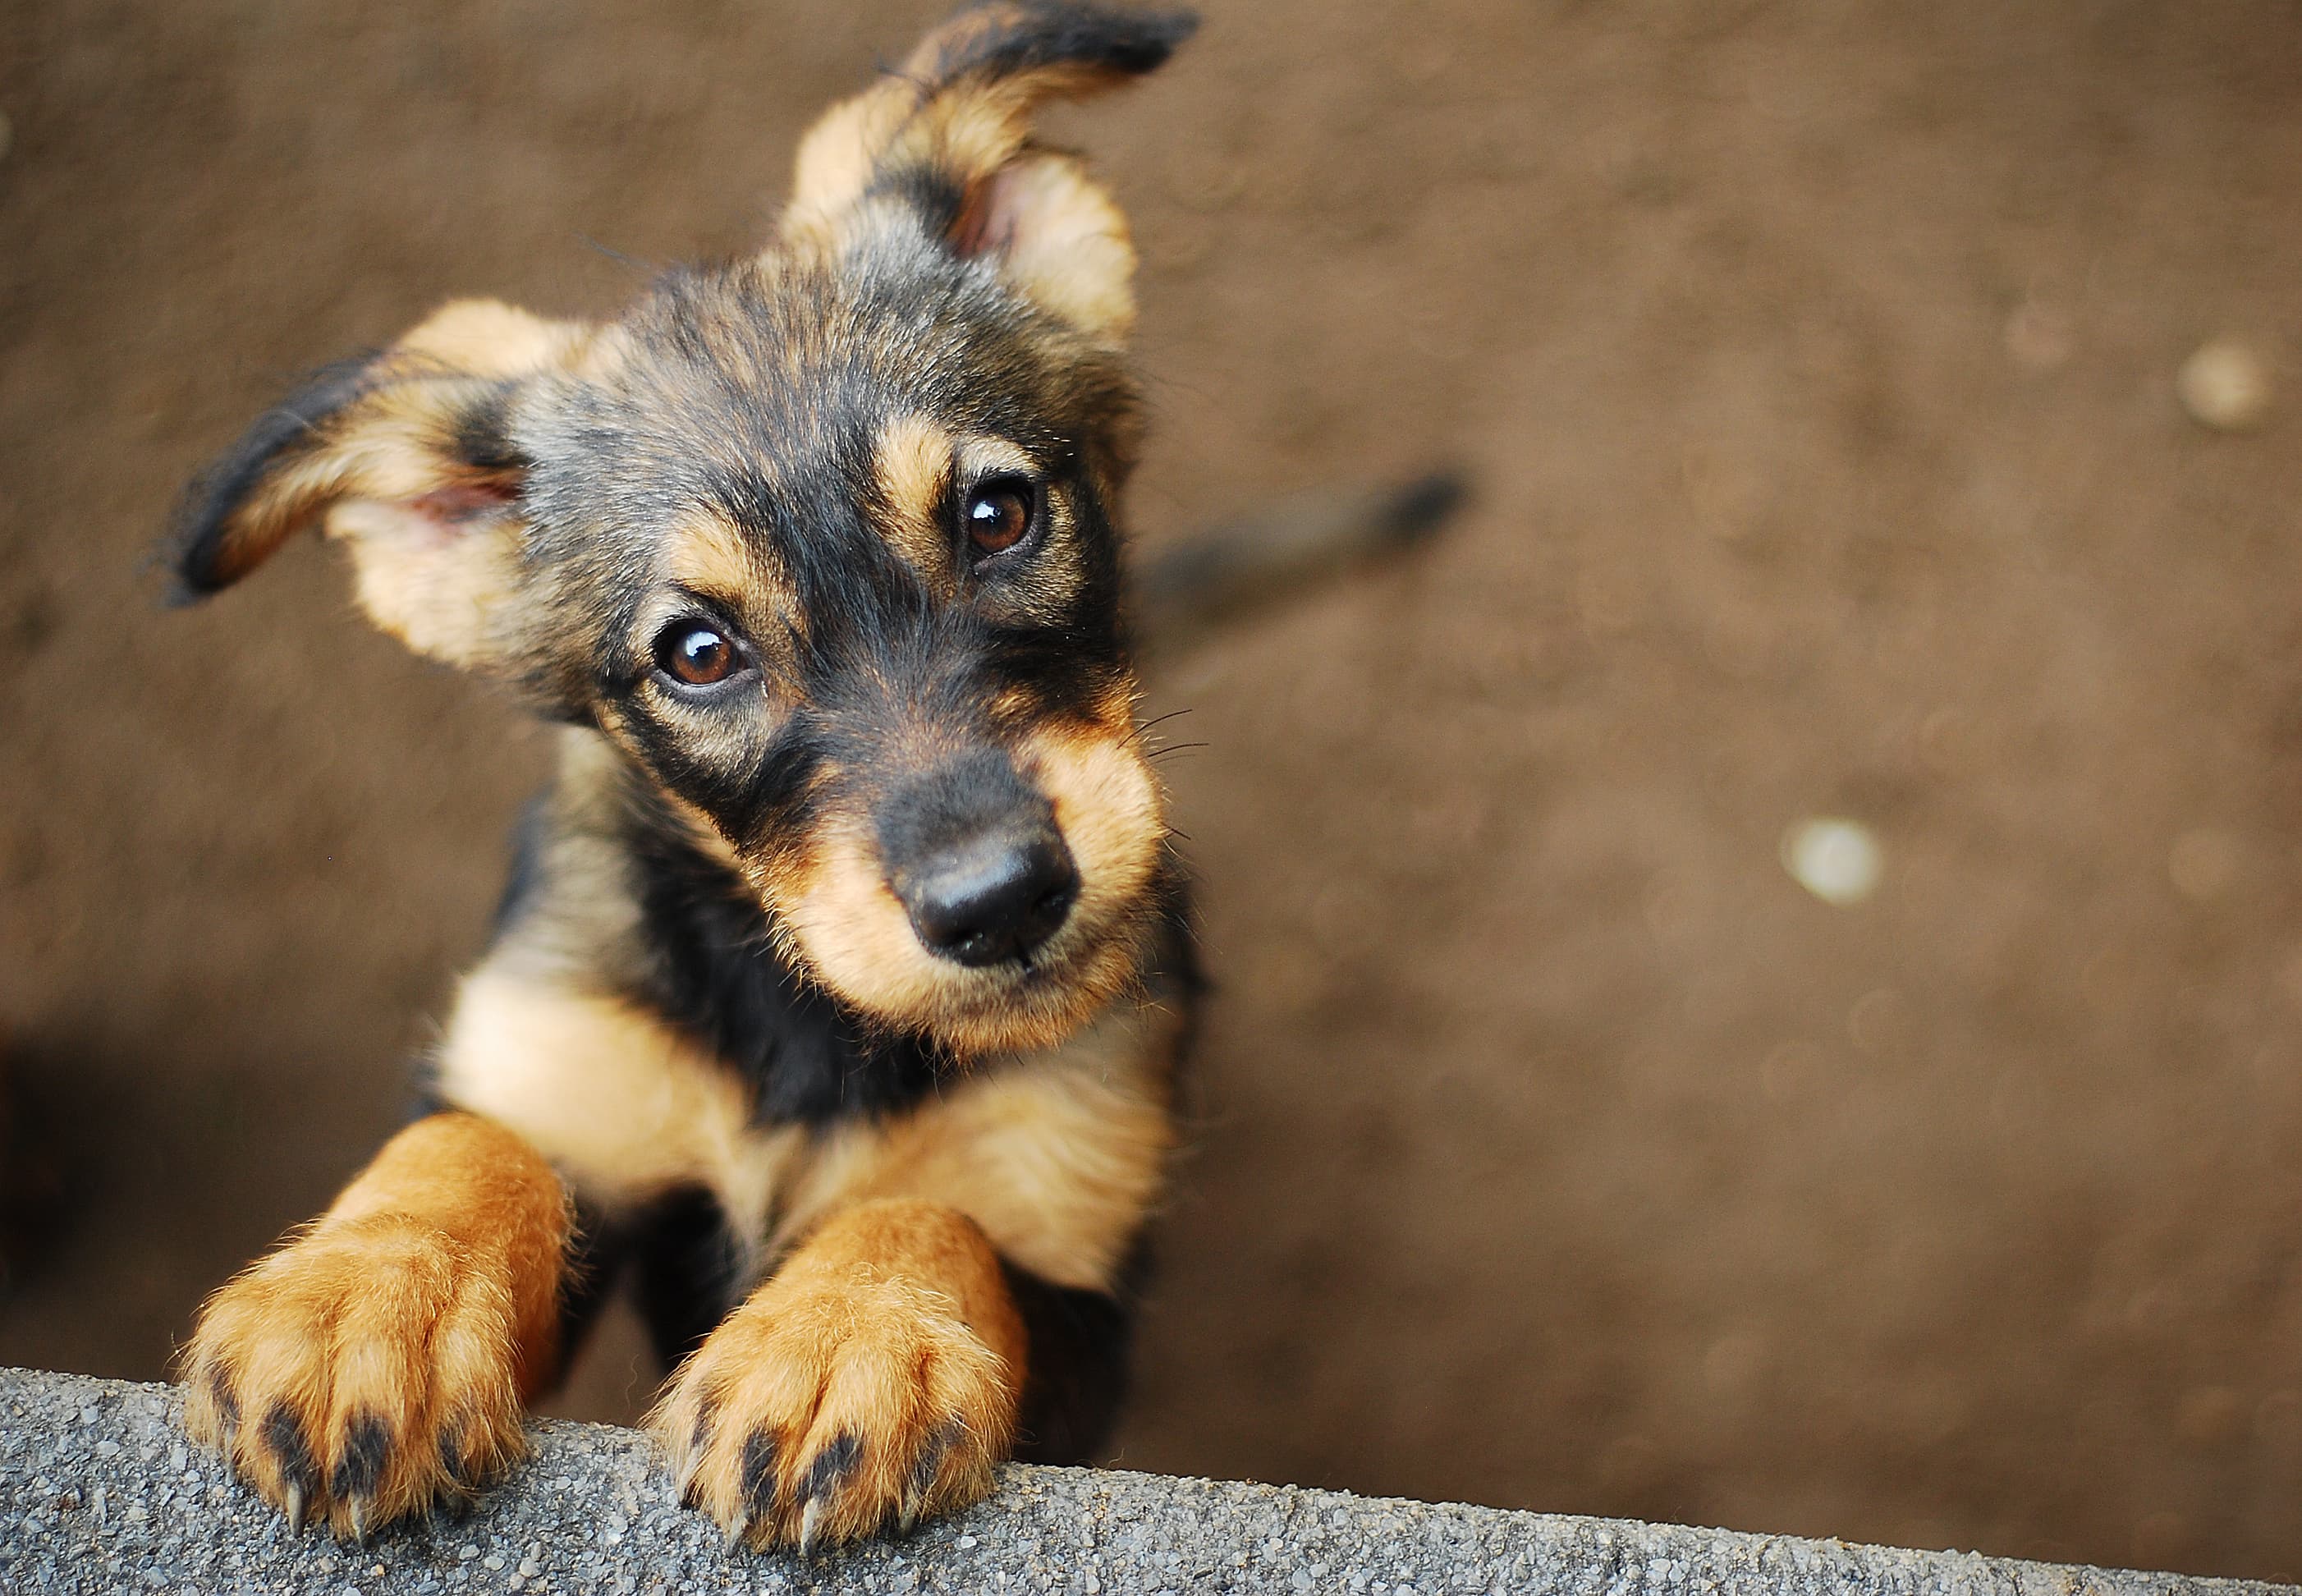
point(821, 541)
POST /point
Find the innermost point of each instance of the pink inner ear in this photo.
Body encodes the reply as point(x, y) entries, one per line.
point(464, 501)
point(986, 223)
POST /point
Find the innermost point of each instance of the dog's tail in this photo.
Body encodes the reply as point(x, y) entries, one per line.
point(1190, 590)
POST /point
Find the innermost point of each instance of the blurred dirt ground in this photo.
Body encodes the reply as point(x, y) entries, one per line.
point(1816, 364)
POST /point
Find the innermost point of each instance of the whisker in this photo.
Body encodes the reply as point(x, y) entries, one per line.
point(1142, 726)
point(1156, 754)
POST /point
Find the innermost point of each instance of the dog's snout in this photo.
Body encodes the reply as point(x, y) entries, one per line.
point(997, 897)
point(975, 857)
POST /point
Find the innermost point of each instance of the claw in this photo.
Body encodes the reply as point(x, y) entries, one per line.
point(358, 1512)
point(738, 1527)
point(295, 1509)
point(824, 1477)
point(924, 1471)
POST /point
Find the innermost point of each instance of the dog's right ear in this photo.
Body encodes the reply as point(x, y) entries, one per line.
point(407, 456)
point(948, 140)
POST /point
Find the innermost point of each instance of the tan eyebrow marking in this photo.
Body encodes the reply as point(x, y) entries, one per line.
point(980, 457)
point(913, 463)
point(707, 556)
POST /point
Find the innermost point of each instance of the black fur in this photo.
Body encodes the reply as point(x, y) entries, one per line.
point(686, 1272)
point(1049, 33)
point(714, 972)
point(481, 435)
point(685, 1267)
point(1079, 1344)
point(195, 541)
point(596, 1250)
point(525, 878)
point(883, 686)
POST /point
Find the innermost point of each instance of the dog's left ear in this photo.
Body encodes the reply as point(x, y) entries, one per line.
point(946, 141)
point(404, 455)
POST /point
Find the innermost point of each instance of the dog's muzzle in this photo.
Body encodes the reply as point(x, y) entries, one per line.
point(976, 858)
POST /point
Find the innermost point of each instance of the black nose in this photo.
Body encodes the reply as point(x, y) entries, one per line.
point(995, 897)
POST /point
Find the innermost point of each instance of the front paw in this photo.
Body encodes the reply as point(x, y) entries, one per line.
point(823, 1411)
point(360, 1374)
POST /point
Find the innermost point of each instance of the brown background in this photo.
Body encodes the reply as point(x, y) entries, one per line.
point(1555, 1149)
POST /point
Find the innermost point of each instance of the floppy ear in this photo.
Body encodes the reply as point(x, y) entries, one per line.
point(949, 137)
point(405, 455)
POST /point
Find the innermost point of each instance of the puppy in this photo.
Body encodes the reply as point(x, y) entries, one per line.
point(835, 1000)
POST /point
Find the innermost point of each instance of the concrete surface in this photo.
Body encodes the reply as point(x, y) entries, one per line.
point(100, 1492)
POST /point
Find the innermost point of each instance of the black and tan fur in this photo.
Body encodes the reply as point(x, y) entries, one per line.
point(878, 1190)
point(874, 1159)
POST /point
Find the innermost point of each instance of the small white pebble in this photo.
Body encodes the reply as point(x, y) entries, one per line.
point(466, 1554)
point(1836, 860)
point(2225, 385)
point(964, 1542)
point(494, 1562)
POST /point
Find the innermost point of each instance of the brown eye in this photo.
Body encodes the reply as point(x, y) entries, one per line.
point(696, 654)
point(998, 515)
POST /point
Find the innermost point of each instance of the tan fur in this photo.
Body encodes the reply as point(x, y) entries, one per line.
point(486, 338)
point(1108, 805)
point(425, 1302)
point(851, 929)
point(847, 925)
point(1056, 233)
point(1064, 244)
point(914, 463)
point(376, 1364)
point(439, 587)
point(389, 446)
point(622, 1103)
point(889, 1339)
point(1058, 1160)
point(708, 557)
point(983, 457)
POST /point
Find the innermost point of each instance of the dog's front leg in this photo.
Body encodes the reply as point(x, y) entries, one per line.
point(376, 1364)
point(872, 1380)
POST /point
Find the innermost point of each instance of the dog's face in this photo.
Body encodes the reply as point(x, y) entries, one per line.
point(822, 541)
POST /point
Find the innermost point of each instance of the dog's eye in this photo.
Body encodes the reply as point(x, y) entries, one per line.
point(697, 653)
point(998, 515)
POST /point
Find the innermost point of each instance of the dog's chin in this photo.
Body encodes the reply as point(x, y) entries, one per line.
point(1018, 1005)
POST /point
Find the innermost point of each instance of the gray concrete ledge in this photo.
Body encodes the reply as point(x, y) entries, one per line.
point(100, 1493)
